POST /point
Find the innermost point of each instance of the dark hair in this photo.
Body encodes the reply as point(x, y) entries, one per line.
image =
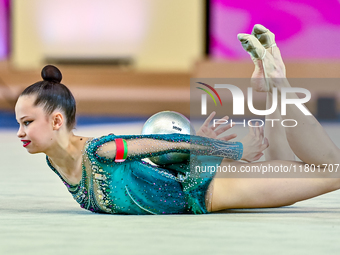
point(52, 95)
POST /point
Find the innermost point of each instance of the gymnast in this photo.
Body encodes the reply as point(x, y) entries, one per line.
point(108, 174)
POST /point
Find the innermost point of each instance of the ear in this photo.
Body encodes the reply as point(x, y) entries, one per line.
point(57, 120)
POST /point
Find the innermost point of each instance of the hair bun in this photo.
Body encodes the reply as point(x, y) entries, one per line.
point(51, 73)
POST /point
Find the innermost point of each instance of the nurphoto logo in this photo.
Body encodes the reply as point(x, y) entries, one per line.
point(238, 99)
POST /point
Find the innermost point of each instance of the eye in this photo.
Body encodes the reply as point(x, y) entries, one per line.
point(26, 123)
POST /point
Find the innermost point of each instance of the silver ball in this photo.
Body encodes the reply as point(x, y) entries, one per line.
point(168, 122)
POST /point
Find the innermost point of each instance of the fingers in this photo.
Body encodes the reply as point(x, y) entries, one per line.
point(262, 131)
point(265, 144)
point(208, 120)
point(258, 156)
point(212, 131)
point(219, 123)
point(251, 129)
point(211, 116)
point(223, 129)
point(228, 137)
point(257, 129)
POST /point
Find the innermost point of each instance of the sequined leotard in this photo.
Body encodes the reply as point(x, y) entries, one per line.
point(137, 187)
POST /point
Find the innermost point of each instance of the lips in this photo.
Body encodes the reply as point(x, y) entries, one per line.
point(26, 142)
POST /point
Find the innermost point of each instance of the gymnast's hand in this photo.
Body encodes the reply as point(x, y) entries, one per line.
point(254, 143)
point(213, 132)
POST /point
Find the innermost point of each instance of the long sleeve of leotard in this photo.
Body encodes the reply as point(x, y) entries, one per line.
point(144, 146)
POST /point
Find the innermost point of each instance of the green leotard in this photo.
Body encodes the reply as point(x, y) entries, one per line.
point(137, 187)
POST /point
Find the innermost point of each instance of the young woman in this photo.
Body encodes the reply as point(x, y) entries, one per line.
point(107, 174)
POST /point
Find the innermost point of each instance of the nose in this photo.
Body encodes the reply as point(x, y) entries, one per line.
point(21, 132)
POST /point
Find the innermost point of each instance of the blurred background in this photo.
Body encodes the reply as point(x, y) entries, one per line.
point(125, 60)
point(133, 58)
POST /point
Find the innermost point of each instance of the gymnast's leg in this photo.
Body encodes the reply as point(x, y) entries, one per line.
point(279, 148)
point(313, 147)
point(321, 149)
point(297, 137)
point(308, 139)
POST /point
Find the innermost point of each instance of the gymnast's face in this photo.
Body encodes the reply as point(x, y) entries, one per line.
point(36, 129)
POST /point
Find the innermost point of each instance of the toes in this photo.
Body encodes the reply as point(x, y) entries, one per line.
point(242, 37)
point(251, 44)
point(246, 40)
point(264, 35)
point(259, 29)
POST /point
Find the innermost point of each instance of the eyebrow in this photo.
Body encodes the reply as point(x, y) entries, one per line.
point(23, 117)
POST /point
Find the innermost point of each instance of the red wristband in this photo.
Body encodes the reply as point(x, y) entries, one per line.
point(121, 150)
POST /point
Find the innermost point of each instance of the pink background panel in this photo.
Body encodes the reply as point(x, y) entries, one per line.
point(304, 29)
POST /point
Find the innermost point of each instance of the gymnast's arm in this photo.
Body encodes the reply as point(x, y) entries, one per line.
point(140, 147)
